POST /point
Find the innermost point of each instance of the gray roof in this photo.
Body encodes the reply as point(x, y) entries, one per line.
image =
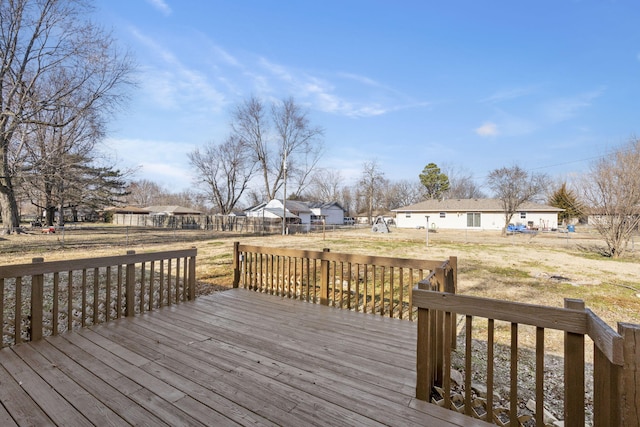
point(173, 210)
point(472, 205)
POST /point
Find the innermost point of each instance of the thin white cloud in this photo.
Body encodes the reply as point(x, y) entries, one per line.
point(171, 84)
point(562, 109)
point(161, 5)
point(488, 129)
point(508, 94)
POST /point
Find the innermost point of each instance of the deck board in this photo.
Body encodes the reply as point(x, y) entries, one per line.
point(231, 358)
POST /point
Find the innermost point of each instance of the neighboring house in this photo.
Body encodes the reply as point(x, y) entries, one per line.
point(129, 215)
point(299, 212)
point(478, 214)
point(296, 212)
point(332, 213)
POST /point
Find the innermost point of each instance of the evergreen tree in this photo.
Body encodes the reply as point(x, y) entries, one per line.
point(566, 199)
point(435, 182)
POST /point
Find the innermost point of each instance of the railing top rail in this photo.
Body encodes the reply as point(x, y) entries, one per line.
point(563, 319)
point(19, 270)
point(605, 338)
point(343, 257)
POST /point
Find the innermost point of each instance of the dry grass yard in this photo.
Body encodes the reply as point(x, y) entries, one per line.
point(541, 269)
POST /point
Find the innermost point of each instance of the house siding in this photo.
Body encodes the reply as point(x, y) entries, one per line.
point(455, 215)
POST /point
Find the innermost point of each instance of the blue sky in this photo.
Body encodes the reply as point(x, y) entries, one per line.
point(547, 85)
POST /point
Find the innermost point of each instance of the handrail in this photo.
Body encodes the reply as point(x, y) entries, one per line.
point(616, 360)
point(367, 283)
point(44, 298)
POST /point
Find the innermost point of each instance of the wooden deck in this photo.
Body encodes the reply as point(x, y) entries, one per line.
point(235, 357)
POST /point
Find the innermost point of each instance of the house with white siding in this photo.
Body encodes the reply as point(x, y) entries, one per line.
point(476, 214)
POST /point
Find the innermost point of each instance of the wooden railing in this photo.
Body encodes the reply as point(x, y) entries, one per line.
point(616, 359)
point(370, 284)
point(46, 298)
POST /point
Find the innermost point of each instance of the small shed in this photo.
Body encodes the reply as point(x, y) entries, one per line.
point(128, 215)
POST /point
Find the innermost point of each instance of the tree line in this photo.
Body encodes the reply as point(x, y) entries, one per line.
point(61, 79)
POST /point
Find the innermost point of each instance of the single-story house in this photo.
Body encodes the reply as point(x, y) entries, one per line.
point(477, 214)
point(332, 213)
point(299, 212)
point(296, 211)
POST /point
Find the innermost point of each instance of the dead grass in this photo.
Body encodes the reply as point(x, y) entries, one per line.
point(540, 269)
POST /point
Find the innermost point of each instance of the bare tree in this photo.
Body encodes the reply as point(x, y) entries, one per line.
point(282, 141)
point(611, 190)
point(515, 186)
point(224, 172)
point(144, 193)
point(51, 53)
point(404, 193)
point(325, 186)
point(371, 181)
point(461, 184)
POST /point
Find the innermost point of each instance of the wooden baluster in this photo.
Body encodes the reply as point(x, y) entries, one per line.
point(467, 364)
point(539, 376)
point(490, 367)
point(96, 293)
point(83, 309)
point(17, 330)
point(513, 388)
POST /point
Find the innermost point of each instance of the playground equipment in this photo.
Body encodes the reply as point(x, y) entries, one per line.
point(380, 225)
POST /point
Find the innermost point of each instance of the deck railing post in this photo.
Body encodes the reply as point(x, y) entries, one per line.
point(424, 372)
point(37, 284)
point(192, 278)
point(574, 372)
point(236, 264)
point(130, 286)
point(629, 386)
point(324, 280)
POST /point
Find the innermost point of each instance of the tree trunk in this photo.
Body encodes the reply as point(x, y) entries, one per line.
point(10, 217)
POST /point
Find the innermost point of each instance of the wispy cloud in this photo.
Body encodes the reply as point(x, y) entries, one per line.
point(161, 5)
point(488, 129)
point(508, 94)
point(562, 109)
point(174, 85)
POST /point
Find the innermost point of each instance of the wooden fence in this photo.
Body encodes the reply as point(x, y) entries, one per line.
point(616, 360)
point(370, 284)
point(46, 298)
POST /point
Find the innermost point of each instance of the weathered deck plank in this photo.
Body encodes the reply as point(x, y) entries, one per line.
point(232, 358)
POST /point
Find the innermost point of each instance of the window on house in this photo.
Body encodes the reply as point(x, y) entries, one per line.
point(523, 215)
point(408, 215)
point(443, 214)
point(473, 219)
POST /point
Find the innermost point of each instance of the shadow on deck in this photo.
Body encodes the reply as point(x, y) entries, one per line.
point(232, 358)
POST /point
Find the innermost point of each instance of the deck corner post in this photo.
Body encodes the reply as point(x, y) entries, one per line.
point(236, 264)
point(574, 361)
point(130, 286)
point(629, 385)
point(324, 280)
point(37, 295)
